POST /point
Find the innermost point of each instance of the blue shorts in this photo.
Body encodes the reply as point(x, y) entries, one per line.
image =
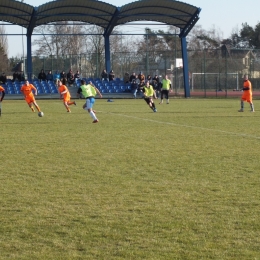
point(89, 103)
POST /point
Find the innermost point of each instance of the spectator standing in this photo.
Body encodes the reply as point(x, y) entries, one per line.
point(247, 94)
point(134, 88)
point(132, 77)
point(49, 76)
point(111, 75)
point(104, 75)
point(42, 75)
point(157, 85)
point(166, 87)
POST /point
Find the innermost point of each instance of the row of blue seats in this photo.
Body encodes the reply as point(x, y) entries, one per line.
point(49, 87)
point(42, 87)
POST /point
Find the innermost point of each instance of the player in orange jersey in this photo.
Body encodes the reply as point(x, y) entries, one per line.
point(65, 94)
point(247, 95)
point(3, 94)
point(27, 90)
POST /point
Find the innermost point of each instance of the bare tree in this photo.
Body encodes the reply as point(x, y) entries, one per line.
point(3, 50)
point(3, 39)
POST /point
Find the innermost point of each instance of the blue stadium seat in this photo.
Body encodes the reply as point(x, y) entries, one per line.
point(123, 88)
point(18, 91)
point(54, 91)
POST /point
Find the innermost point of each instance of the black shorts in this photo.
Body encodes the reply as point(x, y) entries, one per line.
point(148, 99)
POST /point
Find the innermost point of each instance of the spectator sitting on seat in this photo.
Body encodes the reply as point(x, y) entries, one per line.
point(77, 75)
point(156, 80)
point(134, 88)
point(70, 77)
point(149, 78)
point(49, 76)
point(63, 75)
point(19, 76)
point(15, 76)
point(56, 77)
point(42, 75)
point(157, 85)
point(126, 77)
point(132, 77)
point(104, 75)
point(22, 77)
point(3, 78)
point(111, 75)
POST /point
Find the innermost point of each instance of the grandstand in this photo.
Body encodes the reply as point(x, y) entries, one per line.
point(48, 89)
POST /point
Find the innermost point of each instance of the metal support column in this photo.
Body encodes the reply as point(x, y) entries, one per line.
point(29, 57)
point(107, 54)
point(185, 67)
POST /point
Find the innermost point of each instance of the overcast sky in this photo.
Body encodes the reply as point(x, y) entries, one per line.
point(224, 15)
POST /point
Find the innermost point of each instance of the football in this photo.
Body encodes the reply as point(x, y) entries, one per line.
point(40, 114)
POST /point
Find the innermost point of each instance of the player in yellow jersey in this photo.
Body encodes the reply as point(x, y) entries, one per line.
point(2, 97)
point(166, 88)
point(149, 93)
point(89, 92)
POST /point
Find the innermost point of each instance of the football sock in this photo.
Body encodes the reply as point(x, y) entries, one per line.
point(92, 114)
point(252, 106)
point(153, 105)
point(242, 104)
point(70, 103)
point(38, 108)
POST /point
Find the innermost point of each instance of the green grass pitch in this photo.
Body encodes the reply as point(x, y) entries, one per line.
point(182, 183)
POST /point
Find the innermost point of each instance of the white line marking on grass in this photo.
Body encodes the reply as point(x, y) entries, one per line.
point(187, 126)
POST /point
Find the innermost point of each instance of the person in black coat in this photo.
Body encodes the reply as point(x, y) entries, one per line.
point(42, 76)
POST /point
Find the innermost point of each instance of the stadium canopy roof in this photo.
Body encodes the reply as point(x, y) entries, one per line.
point(170, 12)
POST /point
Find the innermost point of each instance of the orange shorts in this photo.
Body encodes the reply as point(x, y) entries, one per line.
point(29, 99)
point(66, 99)
point(247, 97)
